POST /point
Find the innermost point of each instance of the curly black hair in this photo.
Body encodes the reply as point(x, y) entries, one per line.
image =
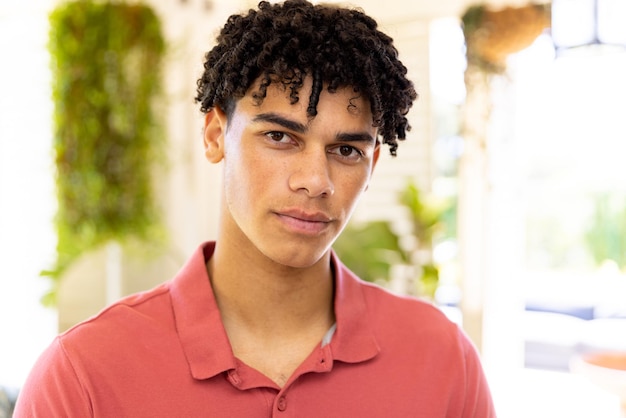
point(286, 42)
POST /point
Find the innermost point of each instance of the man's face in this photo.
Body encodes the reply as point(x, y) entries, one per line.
point(291, 182)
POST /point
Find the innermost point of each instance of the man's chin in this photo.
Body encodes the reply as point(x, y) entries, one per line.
point(300, 260)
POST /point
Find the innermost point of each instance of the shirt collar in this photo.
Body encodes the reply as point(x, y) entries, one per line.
point(354, 340)
point(198, 320)
point(203, 337)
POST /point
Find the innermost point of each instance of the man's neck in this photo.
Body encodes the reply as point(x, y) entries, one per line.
point(255, 292)
point(274, 316)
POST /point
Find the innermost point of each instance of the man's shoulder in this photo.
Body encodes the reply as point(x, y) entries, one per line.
point(152, 318)
point(410, 315)
point(134, 312)
point(387, 305)
point(382, 300)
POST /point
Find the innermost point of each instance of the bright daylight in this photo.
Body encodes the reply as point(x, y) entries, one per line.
point(505, 207)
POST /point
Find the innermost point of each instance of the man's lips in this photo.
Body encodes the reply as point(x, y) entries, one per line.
point(304, 222)
point(305, 216)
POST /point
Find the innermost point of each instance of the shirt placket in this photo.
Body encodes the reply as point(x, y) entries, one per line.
point(285, 403)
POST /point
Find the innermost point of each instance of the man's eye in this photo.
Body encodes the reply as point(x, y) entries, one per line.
point(276, 136)
point(348, 152)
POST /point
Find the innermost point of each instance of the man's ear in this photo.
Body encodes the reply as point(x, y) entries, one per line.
point(215, 122)
point(376, 154)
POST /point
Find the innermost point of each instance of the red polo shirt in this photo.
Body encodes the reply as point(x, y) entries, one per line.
point(165, 353)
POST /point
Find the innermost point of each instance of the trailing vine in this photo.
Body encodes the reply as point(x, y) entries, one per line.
point(105, 60)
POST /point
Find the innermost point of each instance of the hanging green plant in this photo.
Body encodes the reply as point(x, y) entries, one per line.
point(106, 60)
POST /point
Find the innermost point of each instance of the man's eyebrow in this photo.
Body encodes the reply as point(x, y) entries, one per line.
point(356, 137)
point(282, 121)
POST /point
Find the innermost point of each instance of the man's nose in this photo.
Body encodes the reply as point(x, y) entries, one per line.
point(311, 174)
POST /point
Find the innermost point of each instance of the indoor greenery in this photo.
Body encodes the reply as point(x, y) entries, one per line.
point(606, 235)
point(373, 248)
point(105, 59)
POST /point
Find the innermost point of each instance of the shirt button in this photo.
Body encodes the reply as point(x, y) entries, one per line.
point(282, 403)
point(234, 377)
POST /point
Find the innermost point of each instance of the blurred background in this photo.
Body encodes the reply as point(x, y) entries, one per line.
point(506, 205)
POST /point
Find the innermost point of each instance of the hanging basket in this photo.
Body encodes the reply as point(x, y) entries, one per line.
point(492, 35)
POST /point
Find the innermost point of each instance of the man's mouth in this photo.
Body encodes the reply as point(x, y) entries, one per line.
point(304, 222)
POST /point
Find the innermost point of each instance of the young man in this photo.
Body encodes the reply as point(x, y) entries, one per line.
point(266, 321)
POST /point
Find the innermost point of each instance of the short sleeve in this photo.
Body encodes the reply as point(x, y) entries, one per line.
point(53, 388)
point(478, 400)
